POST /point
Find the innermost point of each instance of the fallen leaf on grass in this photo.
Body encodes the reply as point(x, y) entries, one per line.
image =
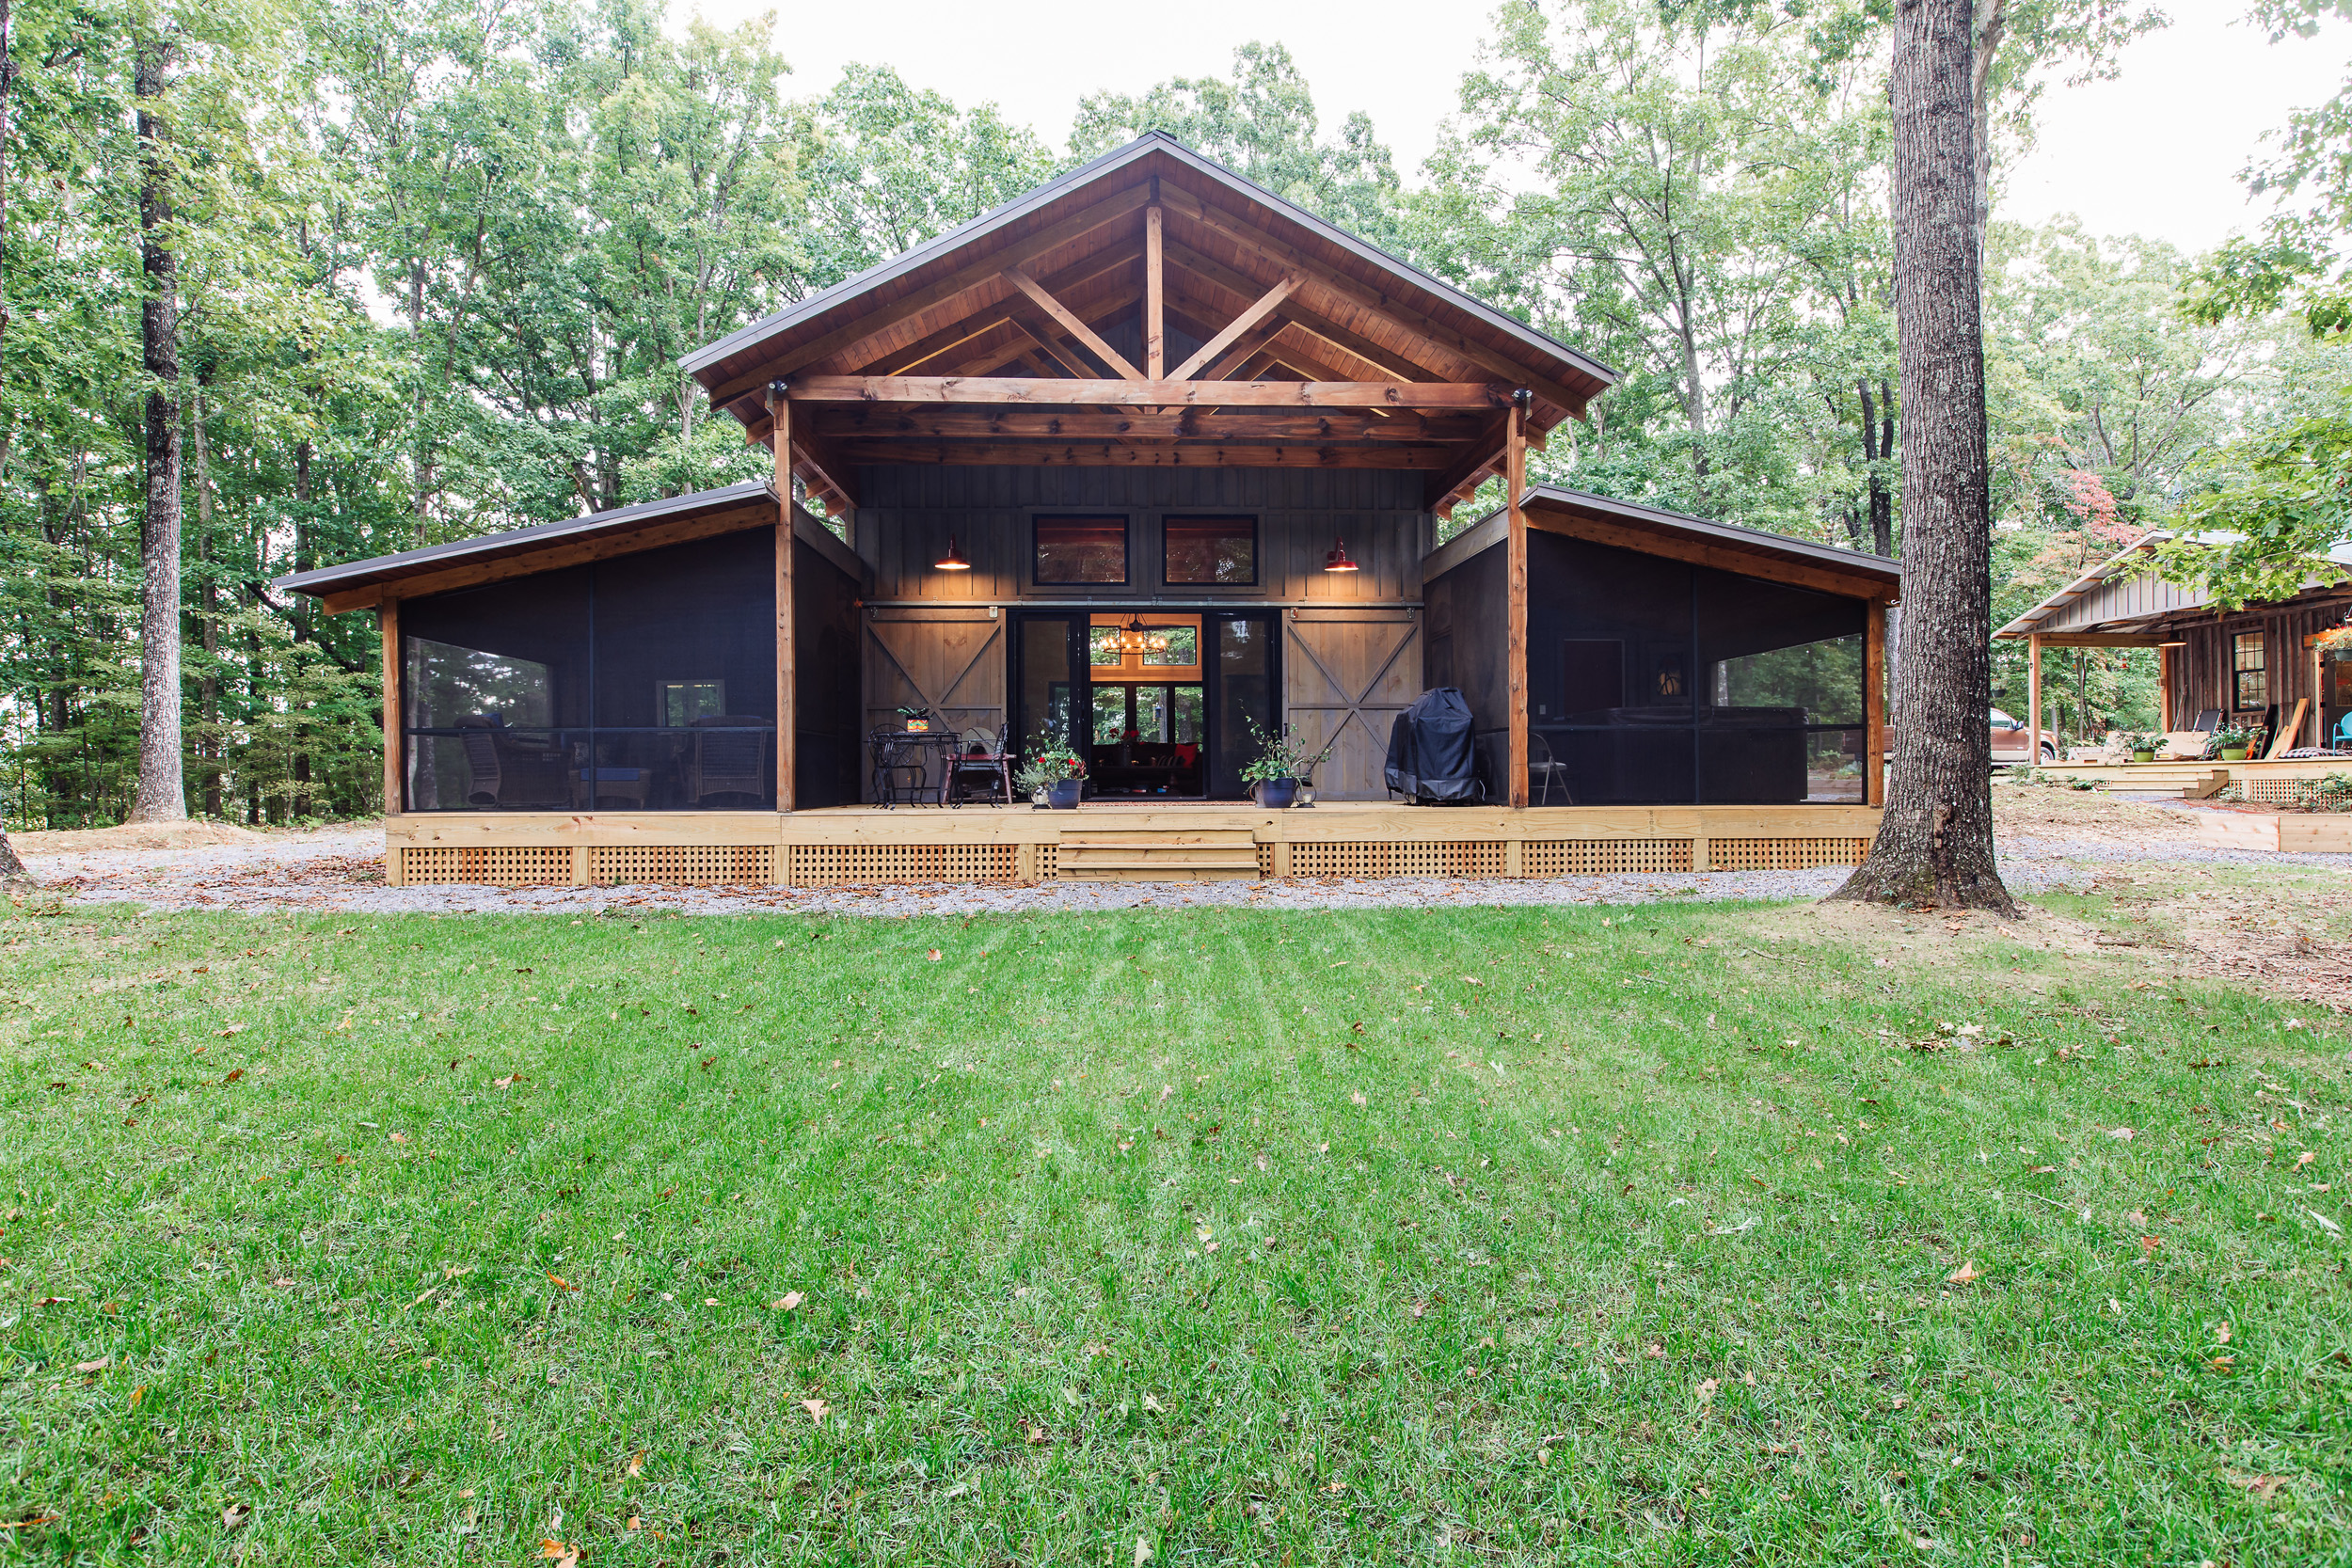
point(2324, 1223)
point(561, 1282)
point(560, 1554)
point(637, 1463)
point(98, 1366)
point(1707, 1390)
point(232, 1029)
point(1153, 1406)
point(786, 1301)
point(2221, 1335)
point(508, 1081)
point(235, 1514)
point(932, 955)
point(2222, 1363)
point(1963, 1273)
point(1036, 1433)
point(2264, 1487)
point(2304, 1159)
point(2123, 1134)
point(234, 1074)
point(816, 1409)
point(1473, 980)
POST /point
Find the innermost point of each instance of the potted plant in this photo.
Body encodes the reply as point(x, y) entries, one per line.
point(1275, 774)
point(2142, 745)
point(916, 719)
point(2231, 742)
point(1052, 773)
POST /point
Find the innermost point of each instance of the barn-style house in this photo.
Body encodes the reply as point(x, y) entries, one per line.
point(1152, 463)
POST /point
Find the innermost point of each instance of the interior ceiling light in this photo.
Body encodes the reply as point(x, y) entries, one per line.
point(951, 561)
point(1337, 561)
point(1136, 638)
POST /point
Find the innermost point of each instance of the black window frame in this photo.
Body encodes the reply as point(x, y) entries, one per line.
point(2239, 669)
point(1257, 548)
point(1126, 549)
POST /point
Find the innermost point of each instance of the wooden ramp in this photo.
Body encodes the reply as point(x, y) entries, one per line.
point(1153, 854)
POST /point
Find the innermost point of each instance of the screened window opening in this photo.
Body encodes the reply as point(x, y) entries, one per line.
point(644, 683)
point(1672, 684)
point(1219, 552)
point(2249, 671)
point(1075, 551)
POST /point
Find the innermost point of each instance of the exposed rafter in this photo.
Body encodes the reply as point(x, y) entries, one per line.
point(1219, 394)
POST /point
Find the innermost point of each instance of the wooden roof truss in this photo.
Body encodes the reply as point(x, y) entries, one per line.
point(1006, 357)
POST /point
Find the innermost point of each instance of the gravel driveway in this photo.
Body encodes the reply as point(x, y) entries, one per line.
point(340, 872)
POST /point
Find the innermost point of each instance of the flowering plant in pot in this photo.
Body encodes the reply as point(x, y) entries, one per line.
point(1274, 774)
point(1052, 773)
point(2231, 742)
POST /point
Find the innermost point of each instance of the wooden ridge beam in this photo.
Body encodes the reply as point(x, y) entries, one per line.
point(1233, 331)
point(1323, 274)
point(983, 272)
point(1046, 454)
point(1214, 394)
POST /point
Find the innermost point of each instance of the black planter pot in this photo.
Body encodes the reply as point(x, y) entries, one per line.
point(1062, 794)
point(1276, 794)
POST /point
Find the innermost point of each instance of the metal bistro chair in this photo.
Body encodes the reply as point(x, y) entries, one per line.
point(1543, 770)
point(899, 770)
point(987, 758)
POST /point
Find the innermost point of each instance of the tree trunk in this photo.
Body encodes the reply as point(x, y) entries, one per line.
point(1987, 35)
point(11, 869)
point(1934, 844)
point(208, 745)
point(161, 795)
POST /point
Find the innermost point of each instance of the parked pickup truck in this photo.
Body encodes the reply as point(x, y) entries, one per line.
point(2009, 741)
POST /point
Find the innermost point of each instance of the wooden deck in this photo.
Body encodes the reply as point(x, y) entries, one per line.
point(2262, 782)
point(1116, 841)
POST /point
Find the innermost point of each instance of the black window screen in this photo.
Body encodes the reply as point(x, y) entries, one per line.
point(1656, 683)
point(1222, 551)
point(647, 682)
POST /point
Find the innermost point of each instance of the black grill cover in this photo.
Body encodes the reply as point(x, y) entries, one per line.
point(1431, 757)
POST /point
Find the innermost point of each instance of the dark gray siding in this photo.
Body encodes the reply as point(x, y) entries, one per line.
point(910, 511)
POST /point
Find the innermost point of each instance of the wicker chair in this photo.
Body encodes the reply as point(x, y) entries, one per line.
point(729, 756)
point(509, 770)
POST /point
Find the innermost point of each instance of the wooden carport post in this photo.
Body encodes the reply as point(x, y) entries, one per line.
point(395, 789)
point(2033, 699)
point(1515, 592)
point(780, 413)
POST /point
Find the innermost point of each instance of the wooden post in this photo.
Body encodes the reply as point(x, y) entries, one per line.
point(1514, 591)
point(2033, 699)
point(1154, 293)
point(780, 410)
point(1874, 704)
point(2164, 689)
point(396, 794)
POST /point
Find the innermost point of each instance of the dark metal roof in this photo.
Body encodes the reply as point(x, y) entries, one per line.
point(1143, 146)
point(408, 563)
point(1654, 520)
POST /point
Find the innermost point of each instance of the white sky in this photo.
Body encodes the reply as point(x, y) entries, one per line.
point(2155, 153)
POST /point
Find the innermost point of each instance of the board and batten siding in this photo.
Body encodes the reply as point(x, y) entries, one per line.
point(2202, 671)
point(908, 511)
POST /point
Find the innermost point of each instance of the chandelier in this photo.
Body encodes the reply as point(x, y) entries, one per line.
point(1136, 638)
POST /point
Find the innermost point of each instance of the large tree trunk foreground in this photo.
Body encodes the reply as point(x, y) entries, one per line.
point(160, 796)
point(1935, 845)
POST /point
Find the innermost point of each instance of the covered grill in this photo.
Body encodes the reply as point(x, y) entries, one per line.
point(1432, 754)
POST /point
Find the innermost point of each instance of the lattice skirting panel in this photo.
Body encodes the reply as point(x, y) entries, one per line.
point(1784, 854)
point(836, 864)
point(1604, 857)
point(499, 865)
point(1397, 860)
point(1048, 862)
point(698, 864)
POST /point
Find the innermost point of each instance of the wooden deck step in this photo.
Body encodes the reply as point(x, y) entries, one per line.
point(1135, 854)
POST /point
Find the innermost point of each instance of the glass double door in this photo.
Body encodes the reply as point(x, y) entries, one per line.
point(1169, 720)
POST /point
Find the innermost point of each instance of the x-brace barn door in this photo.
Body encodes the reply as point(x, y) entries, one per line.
point(1347, 675)
point(951, 661)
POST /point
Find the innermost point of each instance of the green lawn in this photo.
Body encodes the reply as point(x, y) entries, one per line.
point(1225, 1237)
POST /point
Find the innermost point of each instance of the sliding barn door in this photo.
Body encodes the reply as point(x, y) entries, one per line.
point(1347, 675)
point(951, 661)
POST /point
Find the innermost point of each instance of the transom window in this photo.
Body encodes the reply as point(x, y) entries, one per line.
point(1212, 551)
point(2250, 670)
point(1180, 660)
point(1080, 551)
